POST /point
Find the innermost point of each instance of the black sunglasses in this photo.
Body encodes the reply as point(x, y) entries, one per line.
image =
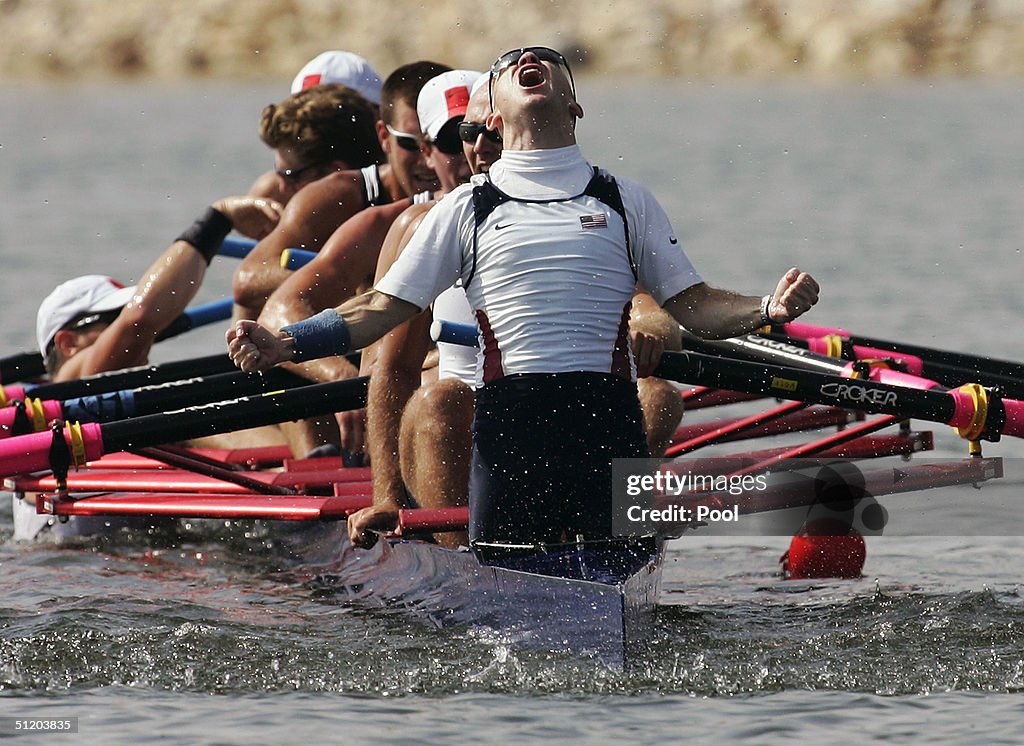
point(83, 322)
point(470, 131)
point(448, 140)
point(105, 317)
point(544, 54)
point(294, 175)
point(404, 139)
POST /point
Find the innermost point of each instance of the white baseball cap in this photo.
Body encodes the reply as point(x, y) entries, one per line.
point(82, 295)
point(346, 68)
point(443, 98)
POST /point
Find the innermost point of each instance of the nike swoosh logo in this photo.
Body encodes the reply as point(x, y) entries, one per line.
point(503, 227)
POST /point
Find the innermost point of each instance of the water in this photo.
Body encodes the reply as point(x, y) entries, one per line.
point(905, 201)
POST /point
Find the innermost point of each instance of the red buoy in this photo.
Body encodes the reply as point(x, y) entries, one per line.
point(824, 549)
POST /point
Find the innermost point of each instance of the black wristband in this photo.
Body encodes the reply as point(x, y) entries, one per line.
point(207, 233)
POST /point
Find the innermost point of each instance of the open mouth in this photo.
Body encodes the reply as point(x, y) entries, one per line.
point(530, 76)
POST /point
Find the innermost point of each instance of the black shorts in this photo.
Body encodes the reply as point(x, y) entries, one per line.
point(543, 446)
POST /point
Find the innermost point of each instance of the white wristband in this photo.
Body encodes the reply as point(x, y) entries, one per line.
point(765, 303)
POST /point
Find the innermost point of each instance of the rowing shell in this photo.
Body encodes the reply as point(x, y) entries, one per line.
point(593, 600)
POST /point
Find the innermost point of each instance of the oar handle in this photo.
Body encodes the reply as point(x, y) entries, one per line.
point(455, 333)
point(293, 259)
point(237, 248)
point(201, 315)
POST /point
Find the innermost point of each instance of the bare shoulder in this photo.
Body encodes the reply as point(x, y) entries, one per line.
point(398, 236)
point(338, 188)
point(411, 217)
point(389, 214)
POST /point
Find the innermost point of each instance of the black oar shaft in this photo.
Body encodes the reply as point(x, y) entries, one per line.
point(118, 405)
point(133, 378)
point(238, 414)
point(806, 385)
point(22, 366)
point(943, 372)
point(172, 395)
point(757, 348)
point(956, 359)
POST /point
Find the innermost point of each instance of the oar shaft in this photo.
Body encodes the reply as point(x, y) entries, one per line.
point(116, 405)
point(818, 379)
point(942, 372)
point(21, 366)
point(957, 359)
point(237, 248)
point(27, 453)
point(293, 259)
point(237, 414)
point(808, 386)
point(131, 378)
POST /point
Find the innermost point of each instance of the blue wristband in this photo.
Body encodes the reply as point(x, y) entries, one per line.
point(321, 335)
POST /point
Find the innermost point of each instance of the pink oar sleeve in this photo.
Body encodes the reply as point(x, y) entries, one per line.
point(27, 453)
point(41, 413)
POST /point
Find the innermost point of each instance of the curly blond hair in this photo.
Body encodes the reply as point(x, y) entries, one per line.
point(324, 123)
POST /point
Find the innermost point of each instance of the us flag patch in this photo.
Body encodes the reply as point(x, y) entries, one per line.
point(594, 221)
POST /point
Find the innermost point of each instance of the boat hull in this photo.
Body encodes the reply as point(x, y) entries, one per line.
point(599, 612)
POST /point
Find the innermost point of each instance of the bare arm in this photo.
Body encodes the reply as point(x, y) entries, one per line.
point(368, 317)
point(397, 374)
point(713, 313)
point(310, 217)
point(343, 268)
point(164, 291)
point(267, 185)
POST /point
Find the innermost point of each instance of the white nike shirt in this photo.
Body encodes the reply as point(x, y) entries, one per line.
point(552, 282)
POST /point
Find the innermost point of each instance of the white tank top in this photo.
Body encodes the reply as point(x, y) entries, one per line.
point(371, 184)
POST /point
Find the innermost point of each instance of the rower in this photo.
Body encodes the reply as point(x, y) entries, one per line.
point(419, 440)
point(93, 323)
point(343, 268)
point(310, 219)
point(336, 66)
point(419, 436)
point(549, 251)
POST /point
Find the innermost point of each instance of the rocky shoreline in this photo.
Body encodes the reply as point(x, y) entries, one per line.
point(271, 39)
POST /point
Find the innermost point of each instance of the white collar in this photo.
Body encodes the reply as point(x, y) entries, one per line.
point(553, 173)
